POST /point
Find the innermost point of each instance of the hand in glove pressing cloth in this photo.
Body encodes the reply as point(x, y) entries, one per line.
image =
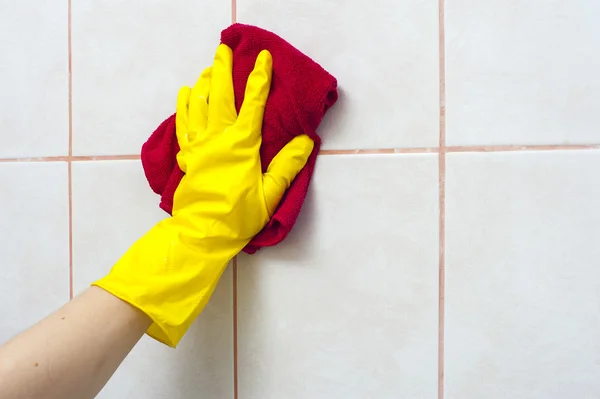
point(222, 202)
point(166, 278)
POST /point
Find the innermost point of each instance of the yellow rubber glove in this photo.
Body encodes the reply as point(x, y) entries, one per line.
point(221, 203)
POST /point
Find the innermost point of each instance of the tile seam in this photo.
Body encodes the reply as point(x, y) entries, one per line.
point(522, 148)
point(70, 204)
point(235, 330)
point(442, 197)
point(441, 273)
point(70, 151)
point(417, 150)
point(233, 11)
point(235, 259)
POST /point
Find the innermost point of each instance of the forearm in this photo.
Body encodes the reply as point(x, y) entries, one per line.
point(73, 352)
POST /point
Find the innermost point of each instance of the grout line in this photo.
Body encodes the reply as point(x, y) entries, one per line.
point(36, 159)
point(74, 158)
point(235, 264)
point(128, 157)
point(441, 272)
point(235, 280)
point(442, 199)
point(415, 150)
point(69, 169)
point(69, 158)
point(235, 347)
point(70, 78)
point(357, 152)
point(504, 148)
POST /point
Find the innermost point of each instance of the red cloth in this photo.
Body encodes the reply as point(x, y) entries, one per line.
point(301, 92)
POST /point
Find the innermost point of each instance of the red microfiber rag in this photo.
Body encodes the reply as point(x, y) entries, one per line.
point(301, 92)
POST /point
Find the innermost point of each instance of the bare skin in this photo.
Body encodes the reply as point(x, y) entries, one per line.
point(73, 352)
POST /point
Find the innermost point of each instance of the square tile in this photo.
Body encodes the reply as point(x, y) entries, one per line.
point(347, 306)
point(522, 72)
point(385, 58)
point(34, 249)
point(129, 60)
point(112, 207)
point(522, 278)
point(34, 76)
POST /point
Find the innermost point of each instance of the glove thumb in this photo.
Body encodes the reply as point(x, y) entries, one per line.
point(283, 169)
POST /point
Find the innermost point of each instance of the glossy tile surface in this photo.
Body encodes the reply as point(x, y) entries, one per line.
point(34, 250)
point(522, 72)
point(522, 277)
point(34, 73)
point(129, 61)
point(347, 305)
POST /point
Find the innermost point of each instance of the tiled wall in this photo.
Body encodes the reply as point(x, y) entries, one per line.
point(448, 246)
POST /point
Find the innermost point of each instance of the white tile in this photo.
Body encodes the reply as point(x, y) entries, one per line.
point(346, 307)
point(112, 207)
point(34, 243)
point(522, 276)
point(522, 72)
point(129, 60)
point(34, 77)
point(385, 58)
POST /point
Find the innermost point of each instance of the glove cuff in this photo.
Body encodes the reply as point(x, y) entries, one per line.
point(169, 278)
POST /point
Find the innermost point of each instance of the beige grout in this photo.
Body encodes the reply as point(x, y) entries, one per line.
point(506, 148)
point(358, 152)
point(441, 272)
point(70, 180)
point(416, 150)
point(35, 159)
point(70, 156)
point(235, 329)
point(235, 268)
point(233, 11)
point(74, 158)
point(442, 199)
point(128, 157)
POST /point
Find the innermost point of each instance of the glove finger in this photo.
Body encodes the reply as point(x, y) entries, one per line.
point(221, 109)
point(283, 169)
point(198, 105)
point(181, 116)
point(255, 98)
